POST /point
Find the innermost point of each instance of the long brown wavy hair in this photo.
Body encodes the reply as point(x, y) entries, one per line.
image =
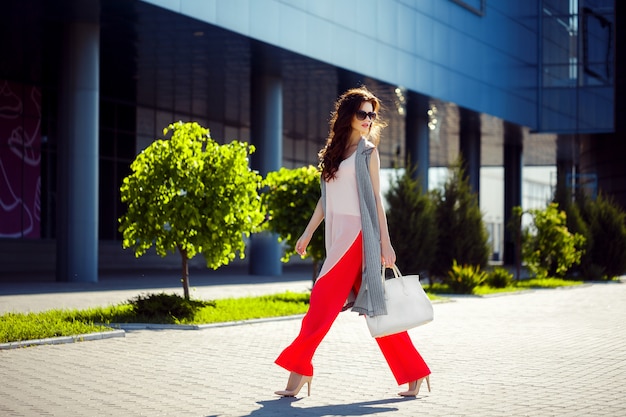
point(331, 155)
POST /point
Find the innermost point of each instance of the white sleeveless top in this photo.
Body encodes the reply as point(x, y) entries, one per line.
point(342, 219)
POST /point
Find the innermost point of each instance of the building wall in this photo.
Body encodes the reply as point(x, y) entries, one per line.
point(169, 60)
point(483, 61)
point(576, 66)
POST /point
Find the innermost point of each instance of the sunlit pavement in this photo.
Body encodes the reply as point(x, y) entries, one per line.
point(541, 353)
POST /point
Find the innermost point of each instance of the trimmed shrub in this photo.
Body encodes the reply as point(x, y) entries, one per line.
point(167, 306)
point(549, 249)
point(462, 279)
point(499, 278)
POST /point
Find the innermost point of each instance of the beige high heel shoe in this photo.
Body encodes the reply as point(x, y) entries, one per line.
point(298, 385)
point(415, 391)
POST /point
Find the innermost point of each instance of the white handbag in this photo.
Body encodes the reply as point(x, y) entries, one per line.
point(408, 305)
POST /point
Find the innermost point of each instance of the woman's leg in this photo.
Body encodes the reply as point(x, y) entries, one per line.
point(403, 359)
point(327, 298)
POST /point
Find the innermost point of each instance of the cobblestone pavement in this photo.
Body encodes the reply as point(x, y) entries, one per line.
point(541, 353)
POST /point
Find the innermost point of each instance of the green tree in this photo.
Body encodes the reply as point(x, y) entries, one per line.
point(411, 221)
point(289, 201)
point(192, 195)
point(549, 249)
point(462, 233)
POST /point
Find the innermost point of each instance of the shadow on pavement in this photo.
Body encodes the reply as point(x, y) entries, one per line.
point(22, 284)
point(283, 406)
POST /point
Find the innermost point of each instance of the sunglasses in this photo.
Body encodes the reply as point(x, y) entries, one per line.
point(361, 115)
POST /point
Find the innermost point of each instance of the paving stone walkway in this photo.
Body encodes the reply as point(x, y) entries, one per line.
point(542, 353)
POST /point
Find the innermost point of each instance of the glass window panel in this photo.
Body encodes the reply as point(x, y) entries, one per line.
point(145, 121)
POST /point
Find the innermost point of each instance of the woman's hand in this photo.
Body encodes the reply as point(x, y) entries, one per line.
point(316, 219)
point(302, 243)
point(388, 255)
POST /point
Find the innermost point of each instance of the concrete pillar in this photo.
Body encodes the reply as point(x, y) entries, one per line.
point(513, 163)
point(77, 223)
point(417, 136)
point(469, 143)
point(266, 132)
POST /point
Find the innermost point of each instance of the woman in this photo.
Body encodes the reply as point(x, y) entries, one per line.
point(357, 243)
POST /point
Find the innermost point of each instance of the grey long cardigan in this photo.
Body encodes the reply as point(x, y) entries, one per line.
point(371, 297)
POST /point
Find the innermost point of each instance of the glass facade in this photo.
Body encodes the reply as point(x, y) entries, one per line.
point(20, 160)
point(576, 67)
point(548, 66)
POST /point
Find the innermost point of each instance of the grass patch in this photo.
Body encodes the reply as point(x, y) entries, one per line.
point(152, 308)
point(173, 309)
point(15, 327)
point(535, 283)
point(547, 283)
point(235, 309)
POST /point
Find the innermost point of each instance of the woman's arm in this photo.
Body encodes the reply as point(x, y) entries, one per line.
point(316, 219)
point(388, 255)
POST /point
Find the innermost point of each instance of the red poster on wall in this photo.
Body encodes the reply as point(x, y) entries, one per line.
point(20, 160)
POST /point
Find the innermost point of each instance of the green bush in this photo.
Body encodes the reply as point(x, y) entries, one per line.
point(411, 221)
point(603, 223)
point(462, 233)
point(170, 307)
point(573, 206)
point(289, 200)
point(549, 248)
point(606, 252)
point(499, 278)
point(462, 279)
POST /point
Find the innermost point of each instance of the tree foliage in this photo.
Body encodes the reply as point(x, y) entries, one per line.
point(411, 222)
point(603, 224)
point(549, 248)
point(289, 201)
point(192, 195)
point(462, 234)
point(573, 205)
point(605, 256)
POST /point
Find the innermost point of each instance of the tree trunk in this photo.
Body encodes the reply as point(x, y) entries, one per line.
point(185, 279)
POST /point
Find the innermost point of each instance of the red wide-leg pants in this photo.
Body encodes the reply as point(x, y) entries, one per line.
point(327, 299)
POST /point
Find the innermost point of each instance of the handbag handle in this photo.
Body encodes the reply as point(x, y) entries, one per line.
point(394, 268)
point(397, 274)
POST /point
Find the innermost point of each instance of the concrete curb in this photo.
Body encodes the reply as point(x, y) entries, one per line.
point(63, 339)
point(153, 326)
point(122, 328)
